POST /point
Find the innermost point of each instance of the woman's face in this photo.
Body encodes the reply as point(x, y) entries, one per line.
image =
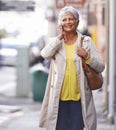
point(69, 22)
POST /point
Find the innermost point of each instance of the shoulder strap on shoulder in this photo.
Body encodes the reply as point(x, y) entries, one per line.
point(82, 38)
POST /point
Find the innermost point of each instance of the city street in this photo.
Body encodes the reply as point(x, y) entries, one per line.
point(8, 72)
point(14, 109)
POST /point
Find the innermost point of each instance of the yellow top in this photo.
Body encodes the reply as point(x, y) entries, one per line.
point(70, 88)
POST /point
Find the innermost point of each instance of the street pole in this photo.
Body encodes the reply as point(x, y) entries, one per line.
point(106, 81)
point(115, 64)
point(51, 17)
point(112, 69)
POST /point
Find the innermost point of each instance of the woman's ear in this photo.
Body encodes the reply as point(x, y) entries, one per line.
point(77, 22)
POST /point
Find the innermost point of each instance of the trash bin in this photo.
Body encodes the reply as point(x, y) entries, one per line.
point(39, 76)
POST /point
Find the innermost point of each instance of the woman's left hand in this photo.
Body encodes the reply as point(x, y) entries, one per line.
point(82, 52)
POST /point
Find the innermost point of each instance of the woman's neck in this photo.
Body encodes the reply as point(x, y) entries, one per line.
point(70, 38)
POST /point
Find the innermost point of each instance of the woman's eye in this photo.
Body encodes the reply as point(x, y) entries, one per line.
point(64, 20)
point(70, 20)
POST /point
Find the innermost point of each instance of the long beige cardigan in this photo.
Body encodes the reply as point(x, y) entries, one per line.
point(55, 51)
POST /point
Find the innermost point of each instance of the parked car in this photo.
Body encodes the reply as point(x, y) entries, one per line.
point(8, 50)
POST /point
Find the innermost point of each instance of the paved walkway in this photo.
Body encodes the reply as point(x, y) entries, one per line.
point(103, 123)
point(23, 113)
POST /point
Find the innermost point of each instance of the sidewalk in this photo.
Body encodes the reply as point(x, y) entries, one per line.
point(18, 113)
point(23, 113)
point(103, 123)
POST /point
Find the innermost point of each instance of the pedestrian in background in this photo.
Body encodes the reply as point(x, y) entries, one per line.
point(86, 32)
point(68, 102)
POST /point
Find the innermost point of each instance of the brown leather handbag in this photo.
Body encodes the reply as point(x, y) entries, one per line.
point(95, 79)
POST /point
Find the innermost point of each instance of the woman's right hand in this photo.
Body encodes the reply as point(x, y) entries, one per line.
point(60, 32)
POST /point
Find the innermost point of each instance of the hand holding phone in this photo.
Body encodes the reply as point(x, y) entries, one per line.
point(60, 32)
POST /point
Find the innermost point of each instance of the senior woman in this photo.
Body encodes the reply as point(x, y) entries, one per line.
point(68, 102)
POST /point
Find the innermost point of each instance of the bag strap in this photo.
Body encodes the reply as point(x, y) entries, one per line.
point(83, 60)
point(81, 42)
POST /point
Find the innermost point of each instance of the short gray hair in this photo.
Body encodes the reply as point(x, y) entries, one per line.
point(68, 9)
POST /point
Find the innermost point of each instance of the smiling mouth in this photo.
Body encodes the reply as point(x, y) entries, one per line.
point(68, 26)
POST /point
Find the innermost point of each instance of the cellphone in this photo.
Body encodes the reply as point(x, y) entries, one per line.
point(60, 27)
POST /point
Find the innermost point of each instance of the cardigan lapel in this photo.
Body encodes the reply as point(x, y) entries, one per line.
point(63, 51)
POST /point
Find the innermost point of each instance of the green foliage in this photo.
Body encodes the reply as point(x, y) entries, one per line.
point(3, 33)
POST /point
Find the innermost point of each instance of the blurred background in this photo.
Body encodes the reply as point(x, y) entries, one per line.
point(25, 26)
